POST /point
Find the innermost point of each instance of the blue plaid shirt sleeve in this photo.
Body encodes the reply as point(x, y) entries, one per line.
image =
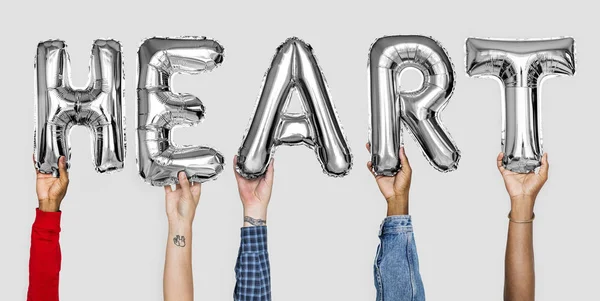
point(252, 270)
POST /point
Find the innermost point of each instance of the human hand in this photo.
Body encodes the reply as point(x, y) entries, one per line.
point(255, 195)
point(395, 189)
point(181, 204)
point(51, 190)
point(523, 188)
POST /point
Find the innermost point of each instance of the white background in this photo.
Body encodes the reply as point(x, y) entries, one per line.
point(323, 231)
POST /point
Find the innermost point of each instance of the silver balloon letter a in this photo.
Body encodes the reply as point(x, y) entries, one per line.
point(160, 110)
point(521, 67)
point(98, 107)
point(294, 67)
point(419, 110)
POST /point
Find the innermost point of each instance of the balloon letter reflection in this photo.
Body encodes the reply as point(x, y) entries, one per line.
point(521, 66)
point(160, 110)
point(294, 67)
point(419, 109)
point(98, 107)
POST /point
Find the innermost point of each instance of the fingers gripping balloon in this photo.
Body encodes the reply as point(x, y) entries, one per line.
point(418, 110)
point(59, 106)
point(521, 67)
point(160, 110)
point(294, 67)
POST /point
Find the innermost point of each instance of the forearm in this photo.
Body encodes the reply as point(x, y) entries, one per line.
point(255, 216)
point(178, 282)
point(253, 270)
point(397, 275)
point(397, 208)
point(45, 257)
point(519, 282)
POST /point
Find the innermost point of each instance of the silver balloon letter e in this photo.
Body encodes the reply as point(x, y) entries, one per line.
point(160, 110)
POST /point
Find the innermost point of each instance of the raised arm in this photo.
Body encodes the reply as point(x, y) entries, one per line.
point(397, 275)
point(519, 273)
point(181, 203)
point(45, 255)
point(253, 270)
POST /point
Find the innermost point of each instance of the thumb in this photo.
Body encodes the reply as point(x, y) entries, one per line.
point(184, 183)
point(63, 174)
point(544, 167)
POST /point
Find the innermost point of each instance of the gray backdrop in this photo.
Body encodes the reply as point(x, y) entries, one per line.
point(323, 231)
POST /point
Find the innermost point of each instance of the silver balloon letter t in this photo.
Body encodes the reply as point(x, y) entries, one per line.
point(521, 67)
point(160, 110)
point(98, 107)
point(294, 67)
point(419, 110)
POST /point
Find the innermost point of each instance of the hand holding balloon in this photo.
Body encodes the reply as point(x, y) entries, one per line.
point(395, 188)
point(255, 195)
point(181, 203)
point(51, 190)
point(523, 188)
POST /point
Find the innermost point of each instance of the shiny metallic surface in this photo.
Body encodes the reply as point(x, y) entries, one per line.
point(418, 110)
point(60, 106)
point(159, 110)
point(520, 66)
point(294, 67)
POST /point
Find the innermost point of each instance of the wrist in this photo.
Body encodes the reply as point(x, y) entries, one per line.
point(258, 213)
point(397, 209)
point(522, 208)
point(49, 205)
point(397, 205)
point(179, 226)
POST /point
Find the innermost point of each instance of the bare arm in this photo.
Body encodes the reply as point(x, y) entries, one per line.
point(178, 283)
point(519, 270)
point(519, 275)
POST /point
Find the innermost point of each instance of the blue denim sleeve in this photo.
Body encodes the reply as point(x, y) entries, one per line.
point(252, 270)
point(397, 276)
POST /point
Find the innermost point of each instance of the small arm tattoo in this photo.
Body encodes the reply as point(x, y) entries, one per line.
point(255, 221)
point(179, 240)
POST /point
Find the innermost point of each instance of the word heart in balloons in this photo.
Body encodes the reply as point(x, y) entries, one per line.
point(521, 67)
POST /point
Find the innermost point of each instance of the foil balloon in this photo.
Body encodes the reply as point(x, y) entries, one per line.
point(521, 67)
point(418, 110)
point(160, 110)
point(60, 106)
point(294, 68)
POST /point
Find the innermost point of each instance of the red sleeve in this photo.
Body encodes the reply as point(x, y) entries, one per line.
point(45, 257)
